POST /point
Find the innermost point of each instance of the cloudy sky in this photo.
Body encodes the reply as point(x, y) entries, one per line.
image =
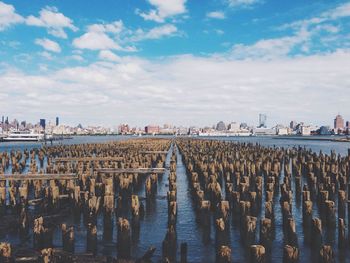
point(175, 61)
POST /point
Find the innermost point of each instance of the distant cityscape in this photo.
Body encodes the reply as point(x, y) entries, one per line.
point(55, 127)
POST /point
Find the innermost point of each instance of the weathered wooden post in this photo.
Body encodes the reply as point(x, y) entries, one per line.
point(68, 238)
point(341, 234)
point(91, 238)
point(326, 255)
point(124, 239)
point(257, 254)
point(316, 233)
point(249, 229)
point(46, 255)
point(290, 254)
point(38, 230)
point(107, 217)
point(5, 253)
point(169, 244)
point(266, 235)
point(341, 203)
point(224, 254)
point(135, 217)
point(183, 252)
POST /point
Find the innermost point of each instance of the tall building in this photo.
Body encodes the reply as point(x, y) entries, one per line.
point(292, 125)
point(43, 123)
point(262, 120)
point(220, 126)
point(347, 125)
point(338, 123)
point(57, 121)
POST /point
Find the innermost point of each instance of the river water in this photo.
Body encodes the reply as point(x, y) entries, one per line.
point(154, 224)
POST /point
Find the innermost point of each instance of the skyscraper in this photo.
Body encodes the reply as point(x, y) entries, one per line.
point(262, 120)
point(43, 123)
point(57, 121)
point(338, 123)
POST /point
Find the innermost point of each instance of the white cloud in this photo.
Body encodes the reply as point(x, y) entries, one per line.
point(341, 11)
point(48, 44)
point(95, 41)
point(108, 55)
point(155, 33)
point(219, 31)
point(271, 48)
point(185, 90)
point(46, 55)
point(55, 22)
point(216, 15)
point(115, 36)
point(103, 36)
point(114, 27)
point(164, 9)
point(8, 16)
point(242, 3)
point(77, 57)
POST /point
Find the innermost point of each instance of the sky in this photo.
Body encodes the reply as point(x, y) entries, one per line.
point(183, 62)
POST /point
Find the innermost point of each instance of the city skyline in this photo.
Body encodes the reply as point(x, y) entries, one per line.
point(339, 122)
point(174, 61)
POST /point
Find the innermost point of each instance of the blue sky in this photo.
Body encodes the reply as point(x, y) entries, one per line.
point(177, 61)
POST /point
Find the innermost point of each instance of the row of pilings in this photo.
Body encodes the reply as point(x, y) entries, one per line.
point(246, 185)
point(38, 207)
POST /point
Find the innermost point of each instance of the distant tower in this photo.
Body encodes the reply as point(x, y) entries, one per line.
point(338, 122)
point(57, 121)
point(43, 123)
point(262, 120)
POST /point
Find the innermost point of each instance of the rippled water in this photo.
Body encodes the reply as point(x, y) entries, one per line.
point(153, 227)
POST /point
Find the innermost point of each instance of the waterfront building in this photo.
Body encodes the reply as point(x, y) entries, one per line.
point(262, 120)
point(282, 131)
point(264, 131)
point(152, 129)
point(220, 126)
point(324, 130)
point(124, 128)
point(234, 127)
point(305, 130)
point(338, 123)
